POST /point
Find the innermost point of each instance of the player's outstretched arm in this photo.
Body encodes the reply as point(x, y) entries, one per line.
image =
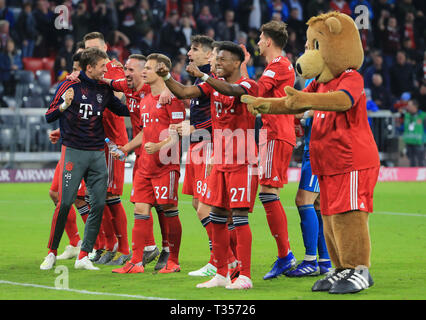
point(178, 89)
point(298, 101)
point(223, 87)
point(133, 144)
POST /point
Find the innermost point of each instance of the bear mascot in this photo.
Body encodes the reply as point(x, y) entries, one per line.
point(344, 154)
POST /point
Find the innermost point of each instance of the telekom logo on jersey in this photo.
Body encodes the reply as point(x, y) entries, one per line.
point(229, 146)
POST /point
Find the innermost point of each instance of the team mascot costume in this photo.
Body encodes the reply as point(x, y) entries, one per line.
point(344, 154)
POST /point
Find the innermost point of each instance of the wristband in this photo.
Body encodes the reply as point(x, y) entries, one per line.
point(167, 77)
point(205, 77)
point(63, 107)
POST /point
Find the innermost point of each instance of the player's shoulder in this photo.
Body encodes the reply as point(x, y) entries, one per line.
point(66, 84)
point(350, 73)
point(278, 66)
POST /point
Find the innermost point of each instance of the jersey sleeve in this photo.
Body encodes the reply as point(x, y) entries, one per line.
point(53, 113)
point(116, 106)
point(267, 81)
point(119, 85)
point(352, 84)
point(205, 88)
point(251, 88)
point(176, 111)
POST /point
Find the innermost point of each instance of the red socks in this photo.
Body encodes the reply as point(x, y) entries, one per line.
point(163, 227)
point(220, 242)
point(119, 222)
point(277, 221)
point(174, 233)
point(244, 241)
point(141, 230)
point(108, 227)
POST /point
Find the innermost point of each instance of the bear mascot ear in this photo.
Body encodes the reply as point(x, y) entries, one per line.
point(333, 25)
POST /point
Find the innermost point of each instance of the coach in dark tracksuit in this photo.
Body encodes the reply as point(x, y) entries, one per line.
point(79, 107)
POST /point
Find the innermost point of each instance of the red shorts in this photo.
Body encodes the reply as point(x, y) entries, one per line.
point(158, 190)
point(232, 190)
point(135, 167)
point(348, 191)
point(196, 169)
point(115, 174)
point(55, 183)
point(275, 158)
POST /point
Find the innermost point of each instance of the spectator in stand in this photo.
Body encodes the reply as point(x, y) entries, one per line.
point(252, 47)
point(117, 45)
point(341, 6)
point(296, 25)
point(64, 61)
point(210, 32)
point(378, 66)
point(390, 38)
point(176, 71)
point(104, 18)
point(6, 14)
point(403, 7)
point(146, 16)
point(380, 94)
point(278, 6)
point(315, 7)
point(147, 44)
point(10, 62)
point(81, 20)
point(188, 11)
point(294, 45)
point(408, 30)
point(129, 19)
point(171, 36)
point(205, 19)
point(187, 29)
point(414, 134)
point(412, 54)
point(45, 22)
point(292, 4)
point(420, 96)
point(227, 29)
point(402, 75)
point(402, 103)
point(252, 14)
point(27, 30)
point(4, 35)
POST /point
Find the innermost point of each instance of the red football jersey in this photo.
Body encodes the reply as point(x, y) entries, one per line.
point(342, 141)
point(133, 99)
point(278, 74)
point(233, 127)
point(114, 126)
point(155, 121)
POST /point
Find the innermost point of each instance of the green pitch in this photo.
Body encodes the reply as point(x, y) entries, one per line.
point(398, 235)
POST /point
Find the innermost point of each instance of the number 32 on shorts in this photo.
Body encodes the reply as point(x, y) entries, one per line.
point(161, 192)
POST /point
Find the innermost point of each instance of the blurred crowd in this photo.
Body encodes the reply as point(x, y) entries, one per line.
point(394, 37)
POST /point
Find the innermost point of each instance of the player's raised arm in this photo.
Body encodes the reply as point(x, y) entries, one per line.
point(61, 101)
point(223, 87)
point(178, 89)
